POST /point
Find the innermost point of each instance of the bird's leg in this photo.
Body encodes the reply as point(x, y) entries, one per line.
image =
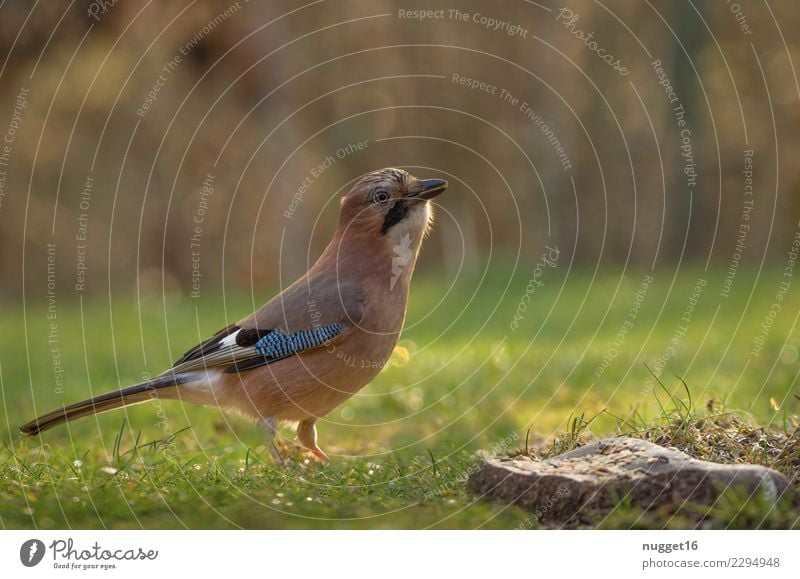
point(270, 427)
point(307, 435)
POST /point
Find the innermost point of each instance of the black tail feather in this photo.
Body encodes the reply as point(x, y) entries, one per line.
point(117, 399)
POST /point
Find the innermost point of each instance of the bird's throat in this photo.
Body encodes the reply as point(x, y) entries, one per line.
point(395, 215)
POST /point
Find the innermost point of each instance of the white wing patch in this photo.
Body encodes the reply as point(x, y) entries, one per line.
point(229, 340)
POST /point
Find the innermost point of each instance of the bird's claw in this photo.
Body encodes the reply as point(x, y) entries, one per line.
point(319, 455)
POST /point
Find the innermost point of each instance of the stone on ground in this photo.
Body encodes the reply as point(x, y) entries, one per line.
point(595, 478)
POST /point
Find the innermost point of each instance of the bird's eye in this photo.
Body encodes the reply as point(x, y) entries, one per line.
point(381, 197)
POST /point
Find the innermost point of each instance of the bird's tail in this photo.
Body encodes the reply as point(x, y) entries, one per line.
point(125, 397)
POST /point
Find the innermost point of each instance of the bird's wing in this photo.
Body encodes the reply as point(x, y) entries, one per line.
point(307, 315)
point(247, 348)
point(312, 300)
point(209, 345)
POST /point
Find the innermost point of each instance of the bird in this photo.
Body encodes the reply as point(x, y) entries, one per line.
point(320, 340)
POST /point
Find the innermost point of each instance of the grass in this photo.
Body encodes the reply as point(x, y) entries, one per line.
point(712, 434)
point(462, 380)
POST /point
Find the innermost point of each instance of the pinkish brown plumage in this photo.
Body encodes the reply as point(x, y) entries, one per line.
point(320, 340)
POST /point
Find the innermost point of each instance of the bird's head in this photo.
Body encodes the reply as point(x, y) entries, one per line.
point(390, 204)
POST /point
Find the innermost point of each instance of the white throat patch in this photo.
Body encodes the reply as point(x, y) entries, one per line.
point(406, 239)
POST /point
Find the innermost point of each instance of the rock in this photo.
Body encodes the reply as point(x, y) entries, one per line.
point(596, 477)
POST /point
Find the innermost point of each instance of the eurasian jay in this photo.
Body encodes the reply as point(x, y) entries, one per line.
point(320, 340)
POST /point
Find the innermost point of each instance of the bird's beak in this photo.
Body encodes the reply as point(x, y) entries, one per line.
point(431, 188)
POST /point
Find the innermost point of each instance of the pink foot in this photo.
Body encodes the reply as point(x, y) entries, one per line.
point(319, 455)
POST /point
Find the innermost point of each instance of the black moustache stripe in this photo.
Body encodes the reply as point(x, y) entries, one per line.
point(395, 215)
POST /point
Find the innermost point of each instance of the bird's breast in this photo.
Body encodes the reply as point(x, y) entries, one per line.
point(313, 383)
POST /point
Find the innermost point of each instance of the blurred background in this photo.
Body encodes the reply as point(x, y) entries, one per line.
point(145, 101)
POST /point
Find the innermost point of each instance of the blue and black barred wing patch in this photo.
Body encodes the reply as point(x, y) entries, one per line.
point(277, 345)
point(238, 349)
